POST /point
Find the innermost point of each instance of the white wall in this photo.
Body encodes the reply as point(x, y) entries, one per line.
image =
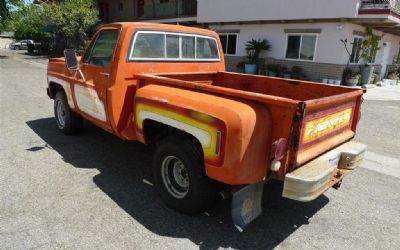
point(5, 42)
point(329, 48)
point(247, 10)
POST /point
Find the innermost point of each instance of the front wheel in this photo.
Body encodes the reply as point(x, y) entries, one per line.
point(180, 177)
point(67, 121)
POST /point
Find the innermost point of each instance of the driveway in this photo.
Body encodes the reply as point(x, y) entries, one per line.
point(87, 191)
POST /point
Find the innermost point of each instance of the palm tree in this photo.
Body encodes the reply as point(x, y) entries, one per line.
point(255, 47)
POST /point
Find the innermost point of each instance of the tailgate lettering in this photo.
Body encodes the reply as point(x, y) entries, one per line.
point(324, 125)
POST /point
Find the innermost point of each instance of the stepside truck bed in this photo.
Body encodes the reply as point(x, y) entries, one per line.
point(313, 117)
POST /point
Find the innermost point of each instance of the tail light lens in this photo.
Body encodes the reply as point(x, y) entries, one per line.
point(279, 149)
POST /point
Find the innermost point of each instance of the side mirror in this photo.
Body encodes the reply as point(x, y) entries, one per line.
point(71, 59)
point(72, 62)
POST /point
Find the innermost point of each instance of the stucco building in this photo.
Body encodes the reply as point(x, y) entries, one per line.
point(305, 33)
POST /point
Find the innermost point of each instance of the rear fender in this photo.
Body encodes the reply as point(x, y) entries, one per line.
point(234, 134)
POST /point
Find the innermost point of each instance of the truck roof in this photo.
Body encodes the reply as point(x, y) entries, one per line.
point(165, 27)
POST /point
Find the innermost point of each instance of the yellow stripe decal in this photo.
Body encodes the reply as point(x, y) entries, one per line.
point(205, 133)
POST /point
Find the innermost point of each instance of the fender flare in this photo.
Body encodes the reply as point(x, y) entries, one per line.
point(65, 85)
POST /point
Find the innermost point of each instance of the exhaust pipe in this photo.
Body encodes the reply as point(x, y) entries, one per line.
point(224, 195)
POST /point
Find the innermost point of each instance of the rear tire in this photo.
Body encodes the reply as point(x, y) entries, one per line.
point(67, 121)
point(17, 48)
point(180, 177)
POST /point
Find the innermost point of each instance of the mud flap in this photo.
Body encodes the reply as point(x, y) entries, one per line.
point(246, 205)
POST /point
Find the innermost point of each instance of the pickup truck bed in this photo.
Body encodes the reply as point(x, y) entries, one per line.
point(298, 108)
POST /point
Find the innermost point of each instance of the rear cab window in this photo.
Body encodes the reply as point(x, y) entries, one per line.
point(168, 46)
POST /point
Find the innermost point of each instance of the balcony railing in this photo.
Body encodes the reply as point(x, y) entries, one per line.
point(170, 9)
point(390, 5)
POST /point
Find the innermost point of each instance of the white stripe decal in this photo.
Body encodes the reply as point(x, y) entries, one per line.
point(89, 102)
point(66, 86)
point(203, 136)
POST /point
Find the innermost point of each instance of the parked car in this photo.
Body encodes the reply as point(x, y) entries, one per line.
point(213, 131)
point(23, 44)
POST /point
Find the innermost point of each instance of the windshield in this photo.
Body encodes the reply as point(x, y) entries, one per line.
point(166, 46)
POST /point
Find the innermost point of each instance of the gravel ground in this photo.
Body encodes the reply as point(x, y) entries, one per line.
point(86, 191)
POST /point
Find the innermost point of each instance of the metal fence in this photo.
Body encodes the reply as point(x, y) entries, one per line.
point(381, 4)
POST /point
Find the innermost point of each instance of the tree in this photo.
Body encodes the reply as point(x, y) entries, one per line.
point(72, 18)
point(3, 10)
point(27, 22)
point(369, 46)
point(5, 7)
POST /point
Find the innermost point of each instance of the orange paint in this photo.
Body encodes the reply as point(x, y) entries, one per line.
point(235, 117)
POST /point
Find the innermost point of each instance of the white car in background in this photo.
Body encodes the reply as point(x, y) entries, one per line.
point(23, 44)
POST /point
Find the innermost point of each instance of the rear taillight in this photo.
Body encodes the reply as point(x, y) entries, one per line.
point(277, 153)
point(279, 149)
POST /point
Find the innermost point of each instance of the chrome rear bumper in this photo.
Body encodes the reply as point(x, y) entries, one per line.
point(314, 178)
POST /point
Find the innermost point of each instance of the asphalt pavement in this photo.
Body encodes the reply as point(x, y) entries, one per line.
point(86, 191)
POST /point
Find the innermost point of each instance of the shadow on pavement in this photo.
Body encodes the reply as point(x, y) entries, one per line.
point(123, 165)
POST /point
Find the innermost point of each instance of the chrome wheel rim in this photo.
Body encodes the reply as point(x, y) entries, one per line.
point(61, 113)
point(175, 177)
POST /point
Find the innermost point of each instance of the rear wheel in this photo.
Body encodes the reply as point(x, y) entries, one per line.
point(67, 121)
point(17, 47)
point(180, 177)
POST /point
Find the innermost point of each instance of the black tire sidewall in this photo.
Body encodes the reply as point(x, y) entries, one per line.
point(202, 192)
point(60, 97)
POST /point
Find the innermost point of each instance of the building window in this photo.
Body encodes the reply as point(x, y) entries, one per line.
point(104, 12)
point(228, 42)
point(120, 7)
point(356, 51)
point(301, 46)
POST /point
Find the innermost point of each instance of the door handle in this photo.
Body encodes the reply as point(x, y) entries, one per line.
point(105, 74)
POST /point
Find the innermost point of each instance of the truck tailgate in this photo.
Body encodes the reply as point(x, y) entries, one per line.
point(326, 123)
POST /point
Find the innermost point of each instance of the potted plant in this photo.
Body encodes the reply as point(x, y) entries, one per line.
point(351, 78)
point(240, 65)
point(375, 78)
point(393, 77)
point(368, 48)
point(253, 49)
point(273, 69)
point(285, 73)
point(296, 72)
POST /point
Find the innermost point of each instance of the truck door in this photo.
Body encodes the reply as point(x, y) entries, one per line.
point(91, 93)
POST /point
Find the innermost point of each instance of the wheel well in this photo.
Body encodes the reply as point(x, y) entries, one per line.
point(154, 132)
point(54, 88)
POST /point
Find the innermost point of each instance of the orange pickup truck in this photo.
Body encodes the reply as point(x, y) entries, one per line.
point(213, 131)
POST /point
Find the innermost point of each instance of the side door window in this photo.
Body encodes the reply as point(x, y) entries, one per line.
point(102, 50)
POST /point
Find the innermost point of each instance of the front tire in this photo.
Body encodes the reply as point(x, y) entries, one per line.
point(67, 121)
point(180, 177)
